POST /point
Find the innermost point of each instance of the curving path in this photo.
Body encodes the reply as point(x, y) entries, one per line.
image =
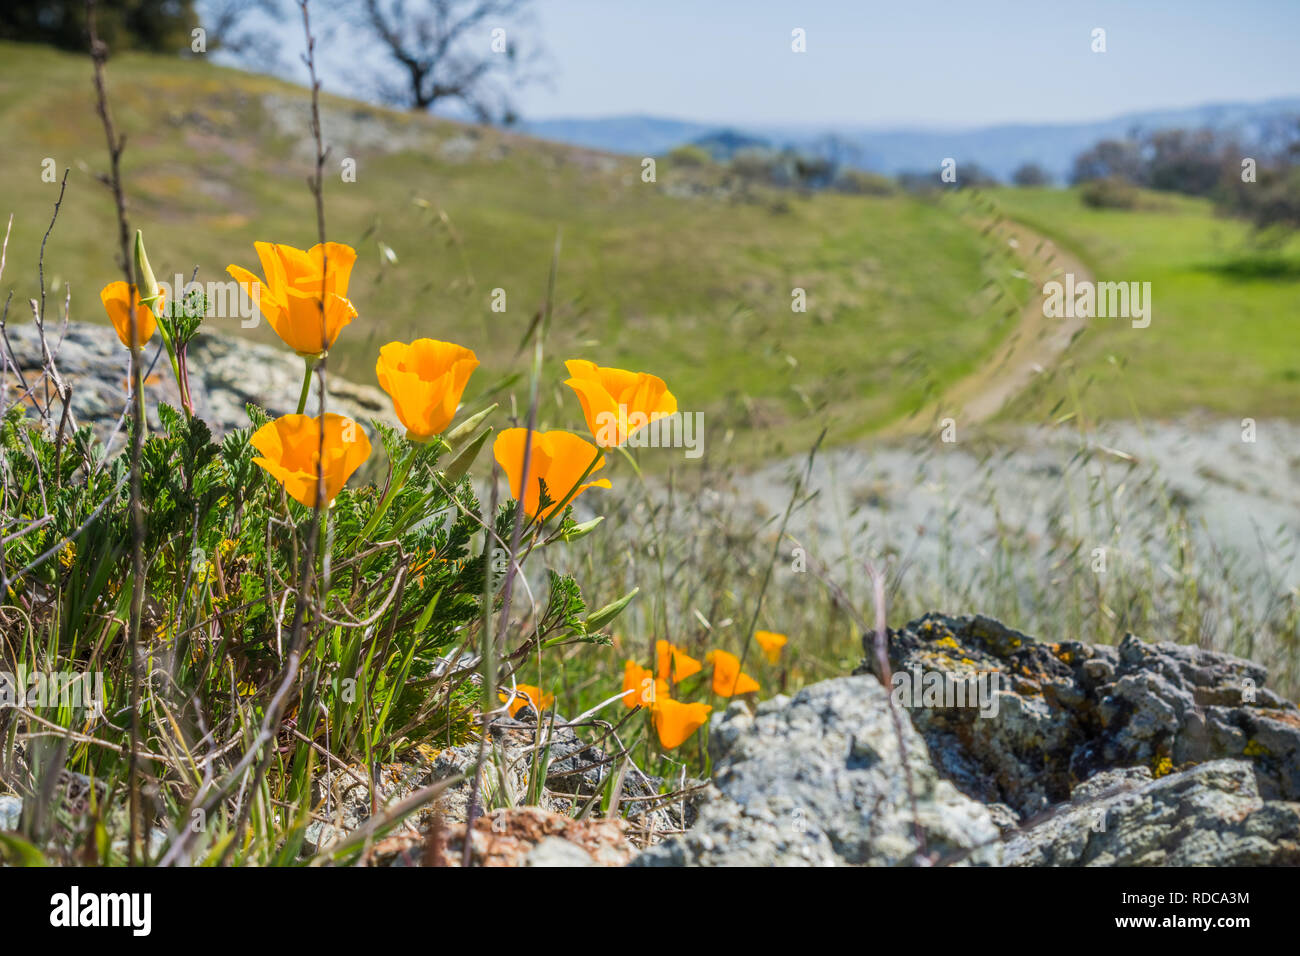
point(1035, 345)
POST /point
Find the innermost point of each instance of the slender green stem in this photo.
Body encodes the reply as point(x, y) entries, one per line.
point(138, 386)
point(183, 382)
point(310, 363)
point(159, 307)
point(398, 482)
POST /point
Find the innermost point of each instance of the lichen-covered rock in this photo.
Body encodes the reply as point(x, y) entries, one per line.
point(1210, 815)
point(226, 374)
point(818, 780)
point(1136, 755)
point(1067, 711)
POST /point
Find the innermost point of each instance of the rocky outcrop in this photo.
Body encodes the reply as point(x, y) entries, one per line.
point(1209, 815)
point(819, 780)
point(226, 374)
point(1136, 755)
point(1067, 711)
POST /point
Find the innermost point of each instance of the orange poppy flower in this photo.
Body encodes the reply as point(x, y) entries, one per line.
point(291, 293)
point(675, 722)
point(291, 446)
point(727, 678)
point(425, 381)
point(615, 402)
point(673, 663)
point(557, 458)
point(640, 687)
point(771, 643)
point(117, 303)
point(526, 695)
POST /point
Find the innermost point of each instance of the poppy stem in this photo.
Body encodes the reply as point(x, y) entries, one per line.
point(138, 387)
point(183, 382)
point(310, 363)
point(396, 484)
point(177, 361)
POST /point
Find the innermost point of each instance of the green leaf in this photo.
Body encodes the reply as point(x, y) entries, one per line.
point(15, 851)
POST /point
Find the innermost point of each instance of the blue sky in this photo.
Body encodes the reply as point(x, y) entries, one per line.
point(908, 62)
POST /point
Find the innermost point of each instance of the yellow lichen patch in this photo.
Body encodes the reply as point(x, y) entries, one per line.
point(1162, 767)
point(1255, 749)
point(949, 641)
point(427, 752)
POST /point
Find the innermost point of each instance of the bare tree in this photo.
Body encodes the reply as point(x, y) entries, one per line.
point(453, 50)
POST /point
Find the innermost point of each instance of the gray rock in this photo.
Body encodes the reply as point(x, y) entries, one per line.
point(818, 780)
point(1210, 815)
point(557, 851)
point(1094, 756)
point(11, 809)
point(226, 374)
point(1109, 781)
point(1068, 711)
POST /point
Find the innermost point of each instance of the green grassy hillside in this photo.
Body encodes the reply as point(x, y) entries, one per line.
point(696, 288)
point(679, 277)
point(1225, 326)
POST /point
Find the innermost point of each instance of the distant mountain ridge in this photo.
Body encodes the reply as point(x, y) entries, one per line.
point(999, 149)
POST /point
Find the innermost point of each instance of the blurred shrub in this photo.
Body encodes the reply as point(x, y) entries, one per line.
point(690, 155)
point(761, 165)
point(1110, 159)
point(1031, 174)
point(862, 183)
point(1109, 194)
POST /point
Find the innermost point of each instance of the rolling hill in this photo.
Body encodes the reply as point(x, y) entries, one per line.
point(998, 149)
point(690, 279)
point(691, 276)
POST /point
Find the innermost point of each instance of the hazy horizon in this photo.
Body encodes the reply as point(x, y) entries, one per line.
point(911, 127)
point(942, 67)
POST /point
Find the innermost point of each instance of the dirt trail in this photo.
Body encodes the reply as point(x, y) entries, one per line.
point(1035, 344)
